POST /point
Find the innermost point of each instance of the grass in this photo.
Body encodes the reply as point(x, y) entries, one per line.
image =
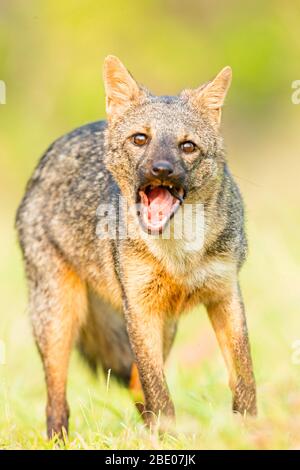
point(103, 416)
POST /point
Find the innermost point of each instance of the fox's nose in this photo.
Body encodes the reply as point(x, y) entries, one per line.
point(162, 169)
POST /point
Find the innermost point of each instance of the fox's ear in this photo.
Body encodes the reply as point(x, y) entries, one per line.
point(212, 95)
point(121, 89)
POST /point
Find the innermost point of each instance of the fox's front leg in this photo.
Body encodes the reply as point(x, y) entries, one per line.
point(145, 324)
point(145, 334)
point(228, 319)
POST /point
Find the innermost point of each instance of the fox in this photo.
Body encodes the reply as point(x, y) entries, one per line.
point(118, 298)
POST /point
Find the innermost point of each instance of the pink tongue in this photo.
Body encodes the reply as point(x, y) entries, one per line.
point(160, 204)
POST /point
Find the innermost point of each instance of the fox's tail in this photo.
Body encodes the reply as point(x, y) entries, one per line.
point(103, 340)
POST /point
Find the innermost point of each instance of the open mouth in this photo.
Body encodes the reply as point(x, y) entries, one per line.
point(158, 204)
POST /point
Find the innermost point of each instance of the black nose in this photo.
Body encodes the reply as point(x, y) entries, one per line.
point(162, 169)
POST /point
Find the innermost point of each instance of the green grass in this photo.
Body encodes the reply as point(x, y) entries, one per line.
point(102, 414)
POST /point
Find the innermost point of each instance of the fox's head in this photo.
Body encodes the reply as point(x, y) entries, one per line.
point(163, 150)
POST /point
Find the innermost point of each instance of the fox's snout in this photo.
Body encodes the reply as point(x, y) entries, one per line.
point(162, 169)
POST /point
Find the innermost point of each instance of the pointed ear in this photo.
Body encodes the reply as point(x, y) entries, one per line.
point(121, 89)
point(212, 95)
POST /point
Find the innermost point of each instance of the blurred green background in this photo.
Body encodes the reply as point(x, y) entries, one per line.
point(51, 56)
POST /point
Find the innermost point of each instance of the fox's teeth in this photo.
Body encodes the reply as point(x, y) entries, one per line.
point(171, 186)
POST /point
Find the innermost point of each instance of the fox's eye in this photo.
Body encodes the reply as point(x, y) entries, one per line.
point(188, 146)
point(139, 139)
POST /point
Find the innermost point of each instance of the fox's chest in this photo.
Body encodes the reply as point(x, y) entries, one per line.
point(194, 270)
point(209, 275)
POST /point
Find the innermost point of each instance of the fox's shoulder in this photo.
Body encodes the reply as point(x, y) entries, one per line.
point(78, 151)
point(88, 134)
point(84, 140)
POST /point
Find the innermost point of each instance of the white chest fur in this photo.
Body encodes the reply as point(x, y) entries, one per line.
point(191, 268)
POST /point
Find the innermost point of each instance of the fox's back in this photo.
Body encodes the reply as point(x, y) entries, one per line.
point(60, 205)
point(70, 165)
